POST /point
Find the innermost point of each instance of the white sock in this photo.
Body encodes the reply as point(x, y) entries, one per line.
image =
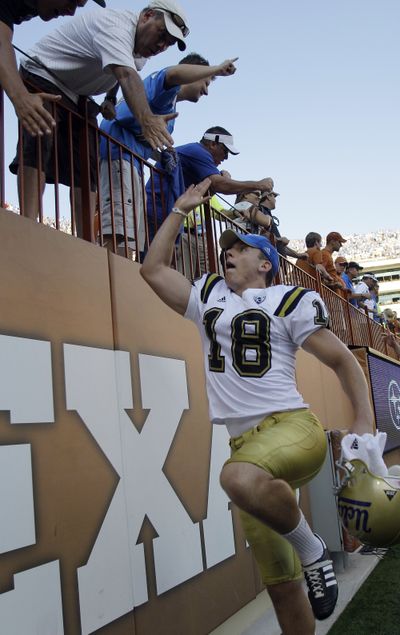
point(308, 546)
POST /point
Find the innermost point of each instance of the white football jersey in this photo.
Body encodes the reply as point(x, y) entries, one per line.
point(249, 344)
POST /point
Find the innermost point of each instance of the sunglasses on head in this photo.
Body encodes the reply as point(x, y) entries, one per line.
point(177, 20)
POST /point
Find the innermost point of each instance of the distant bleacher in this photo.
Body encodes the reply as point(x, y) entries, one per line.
point(384, 243)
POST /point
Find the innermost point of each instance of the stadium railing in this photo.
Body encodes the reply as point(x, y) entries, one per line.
point(197, 249)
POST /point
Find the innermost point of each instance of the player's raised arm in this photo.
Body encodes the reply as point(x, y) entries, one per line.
point(170, 285)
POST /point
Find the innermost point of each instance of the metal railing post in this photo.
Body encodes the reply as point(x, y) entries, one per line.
point(211, 246)
point(87, 224)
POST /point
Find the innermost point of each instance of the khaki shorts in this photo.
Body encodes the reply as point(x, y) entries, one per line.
point(291, 446)
point(133, 201)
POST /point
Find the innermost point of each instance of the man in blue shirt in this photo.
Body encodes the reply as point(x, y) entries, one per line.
point(192, 163)
point(188, 81)
point(352, 272)
point(195, 162)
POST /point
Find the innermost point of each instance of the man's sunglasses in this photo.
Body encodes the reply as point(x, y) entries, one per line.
point(177, 20)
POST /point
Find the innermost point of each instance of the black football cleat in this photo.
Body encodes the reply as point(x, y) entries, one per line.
point(322, 585)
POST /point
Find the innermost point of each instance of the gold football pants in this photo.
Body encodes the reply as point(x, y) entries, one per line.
point(291, 446)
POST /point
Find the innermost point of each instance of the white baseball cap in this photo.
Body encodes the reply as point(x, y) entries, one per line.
point(175, 20)
point(226, 139)
point(370, 275)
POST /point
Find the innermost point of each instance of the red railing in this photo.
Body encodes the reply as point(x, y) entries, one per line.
point(197, 249)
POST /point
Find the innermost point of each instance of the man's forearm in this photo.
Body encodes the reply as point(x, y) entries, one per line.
point(133, 90)
point(355, 386)
point(170, 285)
point(154, 127)
point(334, 354)
point(323, 272)
point(162, 246)
point(230, 186)
point(10, 78)
point(188, 73)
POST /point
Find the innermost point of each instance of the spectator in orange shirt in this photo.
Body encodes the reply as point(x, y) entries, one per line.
point(334, 242)
point(340, 265)
point(314, 257)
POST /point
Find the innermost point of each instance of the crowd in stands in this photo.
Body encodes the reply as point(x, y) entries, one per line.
point(384, 243)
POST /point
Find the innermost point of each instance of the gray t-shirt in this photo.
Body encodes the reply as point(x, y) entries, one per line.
point(82, 50)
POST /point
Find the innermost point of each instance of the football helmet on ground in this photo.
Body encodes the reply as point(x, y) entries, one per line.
point(369, 505)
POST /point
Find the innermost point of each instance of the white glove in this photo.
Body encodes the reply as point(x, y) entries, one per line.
point(368, 448)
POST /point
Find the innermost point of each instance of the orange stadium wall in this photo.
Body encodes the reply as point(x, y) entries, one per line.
point(112, 517)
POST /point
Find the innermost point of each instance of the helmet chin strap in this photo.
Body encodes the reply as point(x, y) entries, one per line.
point(347, 468)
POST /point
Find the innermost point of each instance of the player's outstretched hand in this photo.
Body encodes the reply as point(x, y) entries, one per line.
point(154, 129)
point(33, 115)
point(193, 196)
point(227, 68)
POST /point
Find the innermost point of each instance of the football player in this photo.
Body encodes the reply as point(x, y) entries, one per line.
point(250, 332)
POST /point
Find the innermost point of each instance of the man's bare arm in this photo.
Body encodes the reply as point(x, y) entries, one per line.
point(255, 216)
point(28, 106)
point(187, 73)
point(154, 127)
point(225, 185)
point(323, 272)
point(333, 353)
point(170, 285)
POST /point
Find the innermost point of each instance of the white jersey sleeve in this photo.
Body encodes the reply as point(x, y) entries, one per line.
point(306, 314)
point(201, 290)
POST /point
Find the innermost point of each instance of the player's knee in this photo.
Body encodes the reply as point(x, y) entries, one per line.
point(237, 483)
point(232, 483)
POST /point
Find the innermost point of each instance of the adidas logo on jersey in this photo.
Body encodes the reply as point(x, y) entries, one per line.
point(223, 299)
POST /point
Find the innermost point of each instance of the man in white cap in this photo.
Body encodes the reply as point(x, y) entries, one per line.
point(28, 106)
point(197, 161)
point(250, 332)
point(364, 291)
point(87, 56)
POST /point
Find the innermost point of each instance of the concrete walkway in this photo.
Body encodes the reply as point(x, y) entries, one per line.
point(257, 618)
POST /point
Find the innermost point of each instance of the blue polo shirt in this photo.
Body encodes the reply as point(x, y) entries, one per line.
point(350, 286)
point(125, 127)
point(195, 163)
